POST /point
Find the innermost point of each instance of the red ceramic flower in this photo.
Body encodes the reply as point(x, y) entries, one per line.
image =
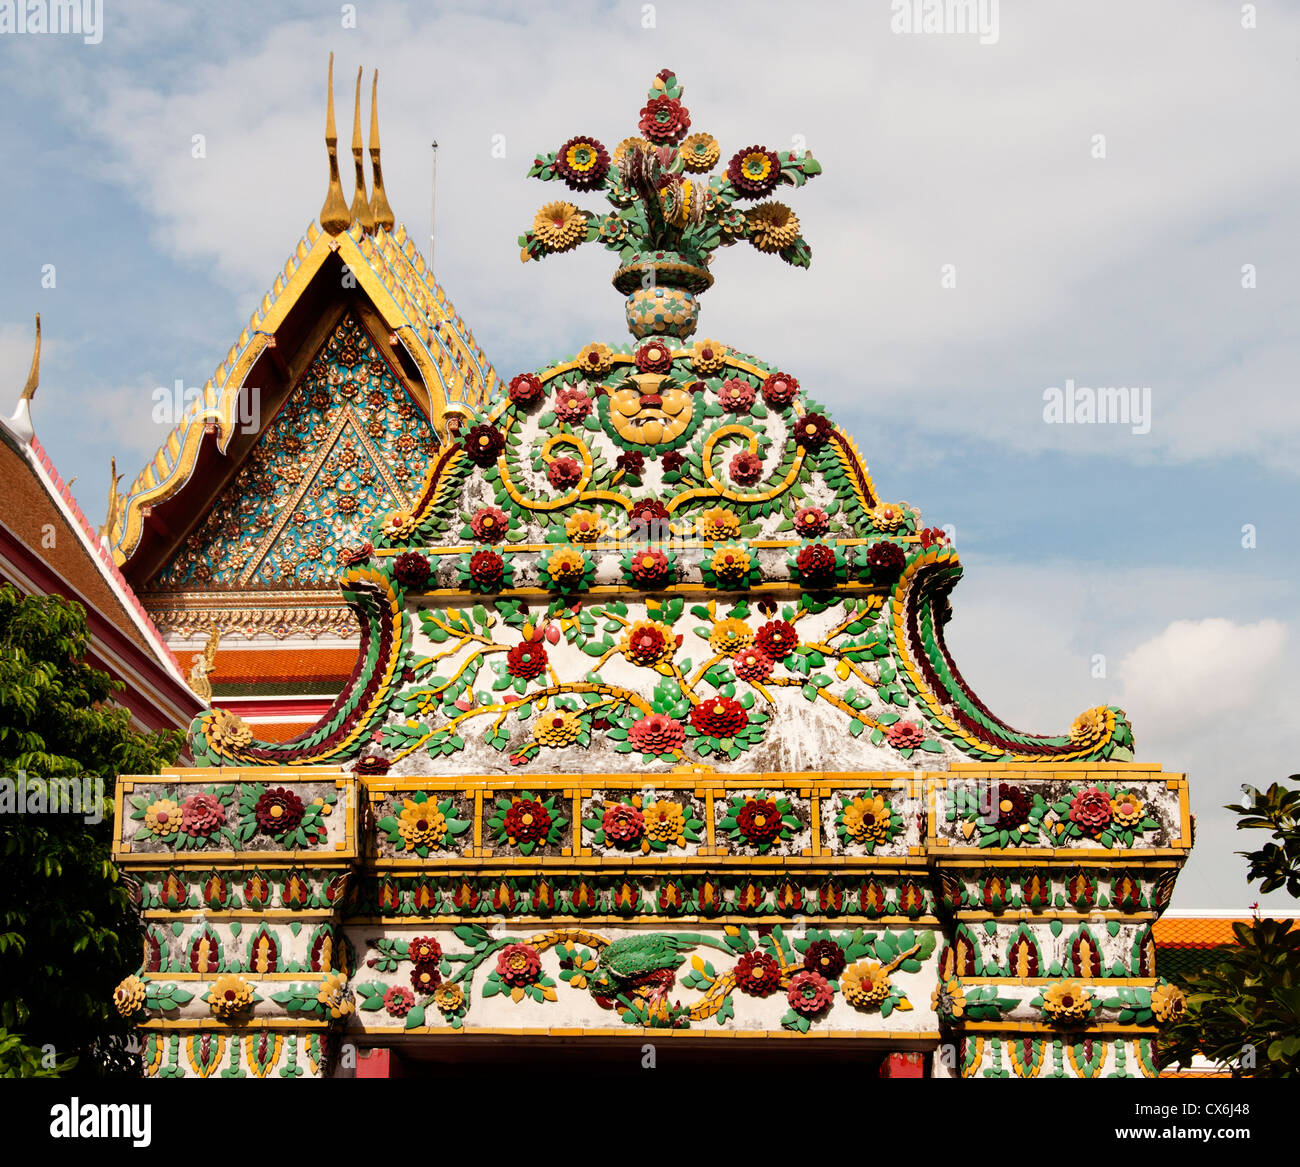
point(885, 559)
point(623, 824)
point(411, 569)
point(653, 357)
point(934, 537)
point(398, 1001)
point(754, 171)
point(645, 645)
point(582, 163)
point(825, 957)
point(657, 734)
point(1010, 807)
point(525, 389)
point(746, 468)
point(485, 569)
point(809, 993)
point(664, 120)
point(527, 821)
point(280, 810)
point(719, 717)
point(201, 814)
point(905, 735)
point(649, 567)
point(759, 820)
point(816, 563)
point(813, 430)
point(779, 390)
point(526, 660)
point(811, 522)
point(519, 964)
point(777, 638)
point(1090, 808)
point(752, 664)
point(632, 462)
point(673, 461)
point(736, 395)
point(489, 524)
point(572, 405)
point(648, 510)
point(757, 974)
point(371, 764)
point(424, 950)
point(564, 473)
point(425, 978)
point(484, 444)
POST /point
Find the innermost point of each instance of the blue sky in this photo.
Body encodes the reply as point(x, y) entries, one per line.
point(1117, 270)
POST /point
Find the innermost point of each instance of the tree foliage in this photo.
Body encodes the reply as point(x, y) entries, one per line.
point(69, 930)
point(1244, 1012)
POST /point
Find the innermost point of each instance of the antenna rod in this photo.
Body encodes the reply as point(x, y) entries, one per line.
point(433, 201)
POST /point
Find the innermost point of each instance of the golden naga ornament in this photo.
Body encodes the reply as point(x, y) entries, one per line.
point(647, 412)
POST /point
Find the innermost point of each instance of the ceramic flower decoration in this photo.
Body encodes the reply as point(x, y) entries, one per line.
point(669, 213)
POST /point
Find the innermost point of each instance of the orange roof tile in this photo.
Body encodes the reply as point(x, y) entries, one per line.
point(240, 666)
point(1195, 931)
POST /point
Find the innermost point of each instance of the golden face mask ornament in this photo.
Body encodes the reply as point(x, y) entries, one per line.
point(646, 412)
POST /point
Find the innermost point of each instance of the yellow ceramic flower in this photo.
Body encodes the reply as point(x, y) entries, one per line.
point(163, 817)
point(708, 356)
point(949, 998)
point(888, 516)
point(865, 983)
point(448, 997)
point(559, 226)
point(1168, 1002)
point(333, 995)
point(566, 565)
point(229, 730)
point(1127, 809)
point(398, 525)
point(584, 527)
point(718, 523)
point(229, 996)
point(420, 824)
point(1090, 728)
point(627, 144)
point(557, 729)
point(867, 819)
point(731, 636)
point(129, 996)
point(700, 153)
point(1067, 1001)
point(648, 643)
point(595, 358)
point(666, 822)
point(730, 564)
point(772, 227)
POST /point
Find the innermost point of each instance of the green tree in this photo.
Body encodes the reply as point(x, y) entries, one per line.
point(1244, 1012)
point(69, 930)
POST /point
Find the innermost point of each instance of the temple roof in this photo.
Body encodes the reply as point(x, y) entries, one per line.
point(444, 365)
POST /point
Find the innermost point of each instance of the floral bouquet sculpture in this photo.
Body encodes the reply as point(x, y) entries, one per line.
point(670, 213)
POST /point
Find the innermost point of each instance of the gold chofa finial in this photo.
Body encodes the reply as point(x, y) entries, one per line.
point(360, 203)
point(34, 376)
point(334, 217)
point(114, 500)
point(380, 211)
